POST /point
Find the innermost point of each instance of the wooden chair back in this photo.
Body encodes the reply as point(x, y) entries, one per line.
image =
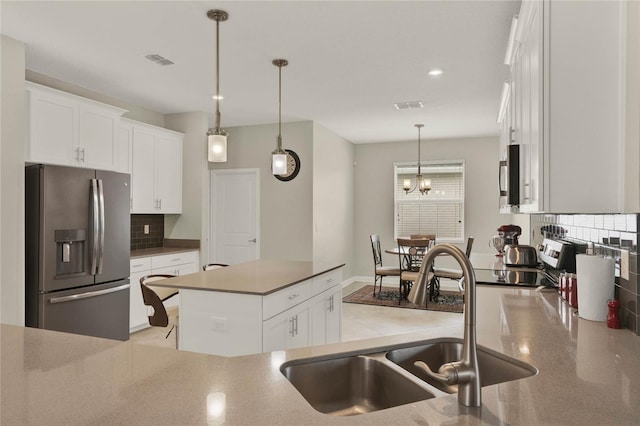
point(375, 248)
point(411, 252)
point(469, 245)
point(210, 266)
point(151, 297)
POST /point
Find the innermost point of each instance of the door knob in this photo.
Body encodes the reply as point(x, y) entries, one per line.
point(252, 241)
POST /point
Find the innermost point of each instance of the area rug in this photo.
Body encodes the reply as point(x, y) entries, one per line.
point(447, 301)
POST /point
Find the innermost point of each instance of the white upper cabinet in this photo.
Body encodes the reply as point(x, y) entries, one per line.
point(567, 105)
point(124, 152)
point(69, 130)
point(169, 171)
point(156, 168)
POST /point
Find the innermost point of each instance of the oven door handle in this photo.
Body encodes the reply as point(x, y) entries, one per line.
point(89, 294)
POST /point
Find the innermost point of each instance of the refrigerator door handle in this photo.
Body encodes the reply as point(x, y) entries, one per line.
point(95, 225)
point(101, 225)
point(89, 294)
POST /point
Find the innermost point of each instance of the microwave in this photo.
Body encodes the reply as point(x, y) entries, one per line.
point(509, 179)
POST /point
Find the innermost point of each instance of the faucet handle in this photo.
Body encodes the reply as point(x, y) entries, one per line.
point(447, 373)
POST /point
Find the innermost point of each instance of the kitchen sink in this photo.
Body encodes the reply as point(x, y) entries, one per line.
point(352, 384)
point(494, 367)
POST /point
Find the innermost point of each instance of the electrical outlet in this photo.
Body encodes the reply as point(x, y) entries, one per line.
point(146, 229)
point(624, 264)
point(218, 323)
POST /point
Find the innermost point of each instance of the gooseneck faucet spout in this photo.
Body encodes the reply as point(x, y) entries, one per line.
point(465, 372)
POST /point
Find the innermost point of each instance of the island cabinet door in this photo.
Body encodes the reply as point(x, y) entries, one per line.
point(288, 330)
point(226, 324)
point(326, 310)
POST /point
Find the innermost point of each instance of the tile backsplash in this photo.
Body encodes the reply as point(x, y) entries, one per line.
point(611, 234)
point(155, 237)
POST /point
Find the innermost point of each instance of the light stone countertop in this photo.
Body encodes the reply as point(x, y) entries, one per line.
point(588, 375)
point(157, 251)
point(260, 277)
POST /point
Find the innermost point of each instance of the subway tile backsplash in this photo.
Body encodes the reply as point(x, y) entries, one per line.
point(609, 233)
point(155, 237)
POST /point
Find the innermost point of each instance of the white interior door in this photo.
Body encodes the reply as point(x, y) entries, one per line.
point(234, 216)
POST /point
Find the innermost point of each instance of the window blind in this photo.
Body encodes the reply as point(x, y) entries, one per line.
point(441, 211)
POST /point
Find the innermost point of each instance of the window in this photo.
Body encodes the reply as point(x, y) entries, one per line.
point(441, 211)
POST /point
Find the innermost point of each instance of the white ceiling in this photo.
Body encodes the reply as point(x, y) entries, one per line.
point(349, 61)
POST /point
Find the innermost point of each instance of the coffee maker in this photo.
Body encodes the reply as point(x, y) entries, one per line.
point(510, 233)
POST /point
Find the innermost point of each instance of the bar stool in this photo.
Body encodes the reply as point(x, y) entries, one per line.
point(155, 297)
point(210, 266)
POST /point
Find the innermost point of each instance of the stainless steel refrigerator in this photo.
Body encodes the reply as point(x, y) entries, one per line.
point(77, 250)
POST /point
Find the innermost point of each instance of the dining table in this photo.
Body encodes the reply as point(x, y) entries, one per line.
point(419, 292)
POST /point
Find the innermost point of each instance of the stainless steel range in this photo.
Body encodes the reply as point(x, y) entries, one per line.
point(555, 257)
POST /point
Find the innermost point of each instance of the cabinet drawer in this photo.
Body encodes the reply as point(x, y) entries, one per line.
point(140, 264)
point(282, 300)
point(174, 259)
point(327, 280)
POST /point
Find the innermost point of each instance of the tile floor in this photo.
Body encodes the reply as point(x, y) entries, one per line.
point(358, 322)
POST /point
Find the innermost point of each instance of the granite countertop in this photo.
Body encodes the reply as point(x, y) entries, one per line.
point(260, 277)
point(157, 251)
point(588, 374)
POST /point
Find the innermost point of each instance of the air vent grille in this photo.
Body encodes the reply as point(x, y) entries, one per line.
point(408, 105)
point(158, 59)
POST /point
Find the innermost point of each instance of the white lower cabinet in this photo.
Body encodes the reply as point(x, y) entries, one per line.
point(173, 264)
point(288, 330)
point(326, 314)
point(235, 324)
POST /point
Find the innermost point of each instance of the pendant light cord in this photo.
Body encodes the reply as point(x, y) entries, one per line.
point(279, 108)
point(418, 151)
point(217, 74)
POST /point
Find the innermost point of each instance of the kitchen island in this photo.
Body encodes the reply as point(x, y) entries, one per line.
point(588, 375)
point(258, 306)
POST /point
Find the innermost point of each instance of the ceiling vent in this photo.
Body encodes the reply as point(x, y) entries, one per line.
point(158, 59)
point(408, 105)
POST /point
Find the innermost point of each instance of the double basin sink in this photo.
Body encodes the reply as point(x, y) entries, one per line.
point(351, 384)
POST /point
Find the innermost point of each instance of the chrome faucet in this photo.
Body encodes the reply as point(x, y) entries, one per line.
point(465, 372)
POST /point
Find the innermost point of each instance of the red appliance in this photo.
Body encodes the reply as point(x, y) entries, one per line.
point(510, 233)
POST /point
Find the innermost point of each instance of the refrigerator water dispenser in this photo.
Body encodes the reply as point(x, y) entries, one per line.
point(70, 249)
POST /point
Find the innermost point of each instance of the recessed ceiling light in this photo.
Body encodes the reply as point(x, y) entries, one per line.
point(217, 97)
point(434, 72)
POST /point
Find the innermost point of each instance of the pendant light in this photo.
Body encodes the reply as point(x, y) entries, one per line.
point(279, 156)
point(424, 185)
point(217, 137)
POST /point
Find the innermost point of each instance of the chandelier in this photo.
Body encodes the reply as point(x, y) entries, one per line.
point(422, 184)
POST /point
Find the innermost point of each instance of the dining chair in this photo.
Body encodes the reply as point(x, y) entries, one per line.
point(155, 297)
point(410, 254)
point(452, 274)
point(419, 293)
point(379, 270)
point(210, 266)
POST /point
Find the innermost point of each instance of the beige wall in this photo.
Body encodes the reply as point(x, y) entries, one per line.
point(12, 145)
point(333, 203)
point(134, 112)
point(193, 222)
point(285, 207)
point(374, 192)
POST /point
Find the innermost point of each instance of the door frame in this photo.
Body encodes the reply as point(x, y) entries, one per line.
point(213, 219)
